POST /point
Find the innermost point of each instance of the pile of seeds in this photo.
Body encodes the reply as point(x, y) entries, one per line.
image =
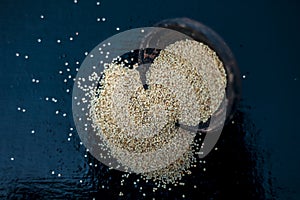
point(189, 87)
point(204, 62)
point(186, 84)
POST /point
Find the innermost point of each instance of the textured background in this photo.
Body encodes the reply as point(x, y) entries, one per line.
point(258, 156)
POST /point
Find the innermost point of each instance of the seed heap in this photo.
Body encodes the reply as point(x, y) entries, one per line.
point(186, 84)
point(189, 87)
point(140, 122)
point(204, 62)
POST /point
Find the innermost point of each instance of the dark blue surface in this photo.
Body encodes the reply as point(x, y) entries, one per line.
point(263, 35)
